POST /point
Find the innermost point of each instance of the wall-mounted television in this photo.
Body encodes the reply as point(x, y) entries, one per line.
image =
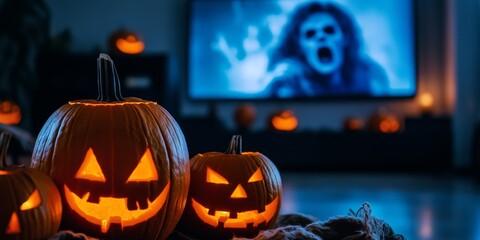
point(301, 49)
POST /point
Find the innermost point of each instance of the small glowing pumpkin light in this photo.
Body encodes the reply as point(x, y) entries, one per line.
point(232, 193)
point(126, 42)
point(384, 123)
point(121, 164)
point(352, 124)
point(284, 121)
point(31, 205)
point(10, 113)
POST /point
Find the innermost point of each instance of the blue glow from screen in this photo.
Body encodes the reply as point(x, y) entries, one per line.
point(259, 49)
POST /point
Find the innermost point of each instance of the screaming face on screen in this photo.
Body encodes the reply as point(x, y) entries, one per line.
point(320, 53)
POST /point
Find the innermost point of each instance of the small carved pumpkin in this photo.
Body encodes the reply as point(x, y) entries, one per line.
point(352, 124)
point(244, 116)
point(232, 193)
point(384, 122)
point(121, 164)
point(31, 207)
point(126, 42)
point(10, 112)
point(284, 121)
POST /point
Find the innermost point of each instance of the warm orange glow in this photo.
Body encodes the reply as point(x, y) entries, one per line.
point(32, 202)
point(257, 176)
point(90, 169)
point(3, 172)
point(243, 218)
point(130, 45)
point(10, 113)
point(389, 125)
point(13, 226)
point(239, 192)
point(426, 101)
point(214, 177)
point(145, 170)
point(113, 210)
point(96, 104)
point(286, 121)
point(354, 124)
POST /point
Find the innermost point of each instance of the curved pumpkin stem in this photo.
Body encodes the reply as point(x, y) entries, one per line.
point(235, 146)
point(4, 142)
point(108, 80)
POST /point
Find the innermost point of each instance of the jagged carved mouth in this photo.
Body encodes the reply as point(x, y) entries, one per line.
point(113, 210)
point(325, 55)
point(242, 219)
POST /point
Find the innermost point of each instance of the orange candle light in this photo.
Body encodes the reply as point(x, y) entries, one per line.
point(426, 102)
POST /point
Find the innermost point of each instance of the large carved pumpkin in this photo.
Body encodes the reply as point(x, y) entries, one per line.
point(121, 164)
point(31, 208)
point(232, 193)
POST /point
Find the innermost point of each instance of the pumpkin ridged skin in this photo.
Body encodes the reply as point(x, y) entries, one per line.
point(40, 222)
point(236, 166)
point(119, 132)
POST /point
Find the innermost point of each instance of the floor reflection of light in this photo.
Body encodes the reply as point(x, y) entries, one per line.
point(417, 207)
point(288, 204)
point(426, 223)
point(476, 223)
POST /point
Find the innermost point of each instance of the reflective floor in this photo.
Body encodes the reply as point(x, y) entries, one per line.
point(418, 206)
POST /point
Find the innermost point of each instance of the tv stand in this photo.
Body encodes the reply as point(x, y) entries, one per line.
point(424, 145)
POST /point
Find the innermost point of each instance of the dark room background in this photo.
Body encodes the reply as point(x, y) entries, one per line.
point(448, 34)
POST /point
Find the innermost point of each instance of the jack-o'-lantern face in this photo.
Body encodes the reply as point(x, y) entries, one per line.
point(232, 193)
point(111, 209)
point(114, 179)
point(233, 208)
point(30, 203)
point(121, 164)
point(26, 205)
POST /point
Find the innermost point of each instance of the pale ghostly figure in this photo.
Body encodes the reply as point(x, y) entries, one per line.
point(322, 42)
point(320, 53)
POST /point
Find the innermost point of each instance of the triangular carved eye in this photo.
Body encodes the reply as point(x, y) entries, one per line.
point(32, 202)
point(145, 170)
point(90, 169)
point(214, 177)
point(256, 176)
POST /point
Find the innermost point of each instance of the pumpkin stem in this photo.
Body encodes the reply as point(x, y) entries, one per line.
point(235, 146)
point(4, 142)
point(108, 80)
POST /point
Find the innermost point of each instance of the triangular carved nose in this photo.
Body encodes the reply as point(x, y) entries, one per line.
point(239, 192)
point(13, 225)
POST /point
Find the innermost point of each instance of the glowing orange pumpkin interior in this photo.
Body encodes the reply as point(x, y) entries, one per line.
point(285, 121)
point(114, 210)
point(130, 45)
point(242, 218)
point(389, 125)
point(10, 113)
point(33, 201)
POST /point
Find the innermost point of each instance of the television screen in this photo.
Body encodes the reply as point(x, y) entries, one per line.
point(294, 49)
